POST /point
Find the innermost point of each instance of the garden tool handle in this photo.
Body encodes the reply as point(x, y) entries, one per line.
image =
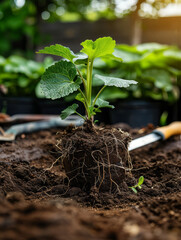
point(167, 131)
point(32, 117)
point(41, 125)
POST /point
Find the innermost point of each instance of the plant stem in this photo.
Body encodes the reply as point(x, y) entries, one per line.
point(86, 103)
point(98, 95)
point(89, 85)
point(82, 78)
point(80, 115)
point(87, 78)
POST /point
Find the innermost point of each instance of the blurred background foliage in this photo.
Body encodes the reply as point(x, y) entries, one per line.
point(18, 28)
point(19, 76)
point(19, 19)
point(155, 67)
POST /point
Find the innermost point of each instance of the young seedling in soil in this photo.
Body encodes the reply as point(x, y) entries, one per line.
point(92, 156)
point(138, 185)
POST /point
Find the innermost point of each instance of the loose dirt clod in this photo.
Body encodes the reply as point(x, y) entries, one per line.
point(95, 157)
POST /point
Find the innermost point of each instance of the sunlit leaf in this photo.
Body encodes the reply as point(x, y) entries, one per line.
point(98, 48)
point(60, 51)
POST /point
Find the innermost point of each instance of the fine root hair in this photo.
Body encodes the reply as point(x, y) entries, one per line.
point(95, 160)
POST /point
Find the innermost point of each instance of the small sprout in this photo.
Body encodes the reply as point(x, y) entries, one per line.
point(138, 185)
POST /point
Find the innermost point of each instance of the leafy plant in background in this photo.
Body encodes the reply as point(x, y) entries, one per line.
point(19, 77)
point(18, 28)
point(19, 20)
point(64, 78)
point(156, 67)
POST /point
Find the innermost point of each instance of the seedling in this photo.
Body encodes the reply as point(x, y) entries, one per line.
point(64, 77)
point(138, 185)
point(89, 154)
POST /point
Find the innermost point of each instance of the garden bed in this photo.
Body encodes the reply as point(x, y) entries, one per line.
point(36, 202)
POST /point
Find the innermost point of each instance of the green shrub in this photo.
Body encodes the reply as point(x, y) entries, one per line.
point(19, 76)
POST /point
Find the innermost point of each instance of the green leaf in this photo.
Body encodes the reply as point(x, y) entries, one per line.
point(174, 71)
point(114, 56)
point(97, 110)
point(17, 64)
point(59, 80)
point(60, 51)
point(134, 189)
point(80, 98)
point(98, 48)
point(2, 60)
point(69, 111)
point(127, 55)
point(140, 181)
point(114, 93)
point(160, 77)
point(102, 103)
point(172, 56)
point(164, 118)
point(117, 82)
point(144, 47)
point(80, 58)
point(100, 63)
point(23, 82)
point(92, 110)
point(127, 48)
point(96, 82)
point(38, 91)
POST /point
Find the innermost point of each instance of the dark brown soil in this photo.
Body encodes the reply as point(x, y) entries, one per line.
point(37, 203)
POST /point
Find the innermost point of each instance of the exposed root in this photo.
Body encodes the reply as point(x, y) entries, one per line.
point(96, 159)
point(53, 164)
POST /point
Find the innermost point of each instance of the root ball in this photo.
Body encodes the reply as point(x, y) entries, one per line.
point(97, 158)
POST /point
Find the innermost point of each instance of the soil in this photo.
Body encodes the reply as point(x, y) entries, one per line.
point(36, 201)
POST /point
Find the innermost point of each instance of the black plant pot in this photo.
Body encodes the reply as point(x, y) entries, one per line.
point(139, 113)
point(17, 105)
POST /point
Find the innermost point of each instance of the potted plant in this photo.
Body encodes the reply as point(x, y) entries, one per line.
point(18, 82)
point(92, 156)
